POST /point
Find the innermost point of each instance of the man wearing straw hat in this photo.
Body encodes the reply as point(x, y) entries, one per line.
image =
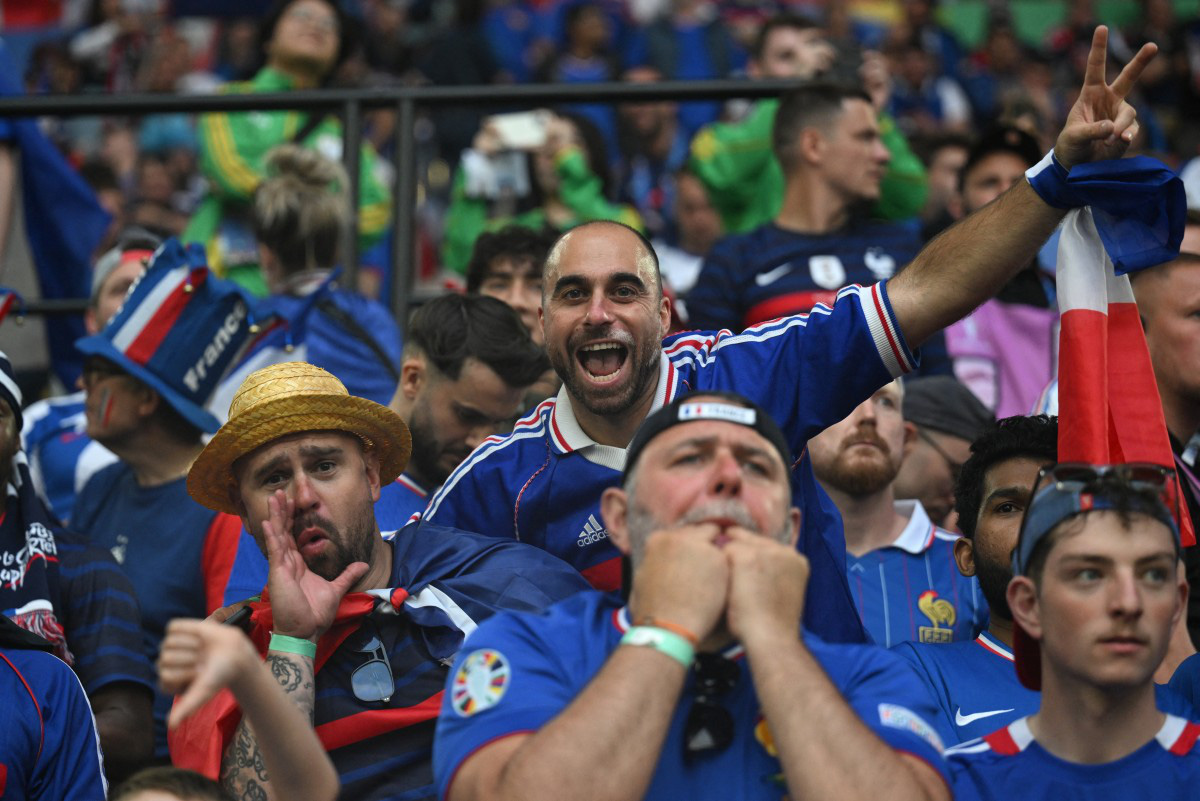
point(357, 626)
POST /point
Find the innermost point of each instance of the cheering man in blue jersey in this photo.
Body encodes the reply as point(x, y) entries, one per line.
point(604, 317)
point(701, 685)
point(1096, 595)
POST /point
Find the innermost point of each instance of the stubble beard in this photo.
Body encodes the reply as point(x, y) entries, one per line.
point(644, 366)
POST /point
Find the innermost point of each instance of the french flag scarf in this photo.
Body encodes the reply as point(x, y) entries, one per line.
point(1131, 216)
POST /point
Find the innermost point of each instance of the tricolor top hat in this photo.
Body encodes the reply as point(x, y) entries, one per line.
point(179, 331)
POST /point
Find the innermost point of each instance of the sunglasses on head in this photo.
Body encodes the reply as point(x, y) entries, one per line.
point(1099, 479)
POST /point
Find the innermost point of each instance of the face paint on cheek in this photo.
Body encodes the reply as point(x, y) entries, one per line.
point(106, 403)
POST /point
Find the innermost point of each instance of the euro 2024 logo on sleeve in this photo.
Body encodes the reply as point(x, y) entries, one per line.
point(480, 682)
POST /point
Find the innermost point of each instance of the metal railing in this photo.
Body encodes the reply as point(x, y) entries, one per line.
point(349, 104)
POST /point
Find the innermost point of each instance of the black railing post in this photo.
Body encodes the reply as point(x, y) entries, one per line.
point(352, 158)
point(404, 203)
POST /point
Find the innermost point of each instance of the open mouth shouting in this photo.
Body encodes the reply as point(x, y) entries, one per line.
point(603, 362)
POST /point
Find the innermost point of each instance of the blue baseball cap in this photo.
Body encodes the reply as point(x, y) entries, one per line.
point(179, 331)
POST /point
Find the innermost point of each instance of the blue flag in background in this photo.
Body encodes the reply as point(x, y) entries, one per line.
point(64, 224)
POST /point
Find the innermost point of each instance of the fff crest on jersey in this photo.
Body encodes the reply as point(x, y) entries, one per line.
point(941, 614)
point(480, 682)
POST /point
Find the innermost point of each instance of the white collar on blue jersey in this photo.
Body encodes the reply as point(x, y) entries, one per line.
point(567, 435)
point(918, 535)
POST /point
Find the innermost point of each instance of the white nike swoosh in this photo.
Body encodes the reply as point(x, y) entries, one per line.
point(771, 276)
point(962, 720)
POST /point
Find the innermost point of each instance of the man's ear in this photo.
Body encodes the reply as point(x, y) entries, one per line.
point(964, 556)
point(147, 400)
point(794, 520)
point(1023, 602)
point(910, 439)
point(810, 145)
point(371, 466)
point(413, 375)
point(614, 510)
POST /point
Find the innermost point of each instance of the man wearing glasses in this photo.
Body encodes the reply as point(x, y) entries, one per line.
point(900, 564)
point(947, 417)
point(1096, 594)
point(699, 685)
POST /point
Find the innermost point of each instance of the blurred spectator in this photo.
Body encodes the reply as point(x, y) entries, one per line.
point(299, 214)
point(168, 784)
point(116, 39)
point(514, 38)
point(303, 41)
point(689, 42)
point(653, 147)
point(828, 141)
point(922, 101)
point(588, 57)
point(50, 748)
point(145, 399)
point(61, 455)
point(507, 265)
point(73, 595)
point(736, 162)
point(920, 24)
point(459, 55)
point(565, 183)
point(50, 225)
point(947, 418)
point(1006, 350)
point(994, 70)
point(384, 36)
point(900, 563)
point(697, 229)
point(943, 156)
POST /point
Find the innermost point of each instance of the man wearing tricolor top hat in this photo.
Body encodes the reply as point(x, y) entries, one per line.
point(356, 625)
point(147, 376)
point(1095, 595)
point(701, 685)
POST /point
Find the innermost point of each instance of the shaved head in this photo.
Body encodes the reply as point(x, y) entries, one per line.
point(647, 259)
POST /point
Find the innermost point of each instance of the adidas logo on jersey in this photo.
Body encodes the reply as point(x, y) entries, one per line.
point(592, 532)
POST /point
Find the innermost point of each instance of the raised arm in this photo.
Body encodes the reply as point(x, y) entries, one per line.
point(969, 262)
point(199, 658)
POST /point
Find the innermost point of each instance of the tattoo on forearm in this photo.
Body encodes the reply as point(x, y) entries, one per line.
point(243, 771)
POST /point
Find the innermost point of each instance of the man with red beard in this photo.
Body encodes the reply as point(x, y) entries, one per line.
point(604, 317)
point(900, 564)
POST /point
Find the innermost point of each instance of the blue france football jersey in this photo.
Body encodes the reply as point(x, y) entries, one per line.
point(399, 501)
point(1010, 764)
point(976, 689)
point(974, 684)
point(541, 484)
point(772, 272)
point(517, 672)
point(912, 590)
point(49, 748)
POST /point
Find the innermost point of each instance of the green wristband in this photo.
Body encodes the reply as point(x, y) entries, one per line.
point(292, 645)
point(667, 642)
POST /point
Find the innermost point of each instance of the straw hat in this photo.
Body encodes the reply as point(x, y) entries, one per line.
point(290, 398)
